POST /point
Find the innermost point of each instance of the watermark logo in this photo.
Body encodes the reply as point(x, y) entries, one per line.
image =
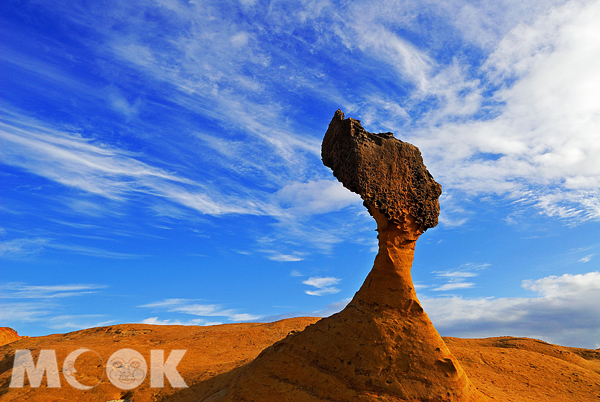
point(70, 372)
point(126, 369)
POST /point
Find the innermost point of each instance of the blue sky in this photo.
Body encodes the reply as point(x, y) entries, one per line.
point(160, 160)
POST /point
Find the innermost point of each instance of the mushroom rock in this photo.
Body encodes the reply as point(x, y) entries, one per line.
point(382, 346)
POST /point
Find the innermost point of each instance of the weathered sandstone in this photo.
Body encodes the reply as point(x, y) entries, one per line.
point(8, 335)
point(382, 346)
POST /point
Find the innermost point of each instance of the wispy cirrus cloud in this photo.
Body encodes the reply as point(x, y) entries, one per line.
point(488, 110)
point(453, 285)
point(457, 279)
point(22, 291)
point(314, 197)
point(189, 306)
point(26, 247)
point(121, 176)
point(116, 174)
point(44, 304)
point(285, 257)
point(24, 311)
point(323, 285)
point(21, 247)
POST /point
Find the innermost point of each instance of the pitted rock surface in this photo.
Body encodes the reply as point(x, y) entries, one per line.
point(387, 173)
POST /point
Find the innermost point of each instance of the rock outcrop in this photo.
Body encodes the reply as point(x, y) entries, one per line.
point(382, 346)
point(8, 335)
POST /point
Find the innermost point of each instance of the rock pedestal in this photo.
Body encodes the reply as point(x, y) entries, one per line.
point(382, 346)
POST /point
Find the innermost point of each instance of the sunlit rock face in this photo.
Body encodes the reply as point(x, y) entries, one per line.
point(382, 346)
point(8, 335)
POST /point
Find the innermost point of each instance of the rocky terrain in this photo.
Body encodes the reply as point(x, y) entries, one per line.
point(8, 335)
point(380, 347)
point(504, 369)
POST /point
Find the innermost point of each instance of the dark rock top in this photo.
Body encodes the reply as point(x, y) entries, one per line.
point(387, 173)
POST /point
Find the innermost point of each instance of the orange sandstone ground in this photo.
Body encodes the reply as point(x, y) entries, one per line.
point(505, 369)
point(8, 335)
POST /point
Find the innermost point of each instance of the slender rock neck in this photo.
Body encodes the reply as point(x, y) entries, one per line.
point(389, 284)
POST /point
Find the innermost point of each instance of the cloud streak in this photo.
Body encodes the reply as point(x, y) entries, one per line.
point(323, 285)
point(43, 304)
point(21, 291)
point(457, 278)
point(188, 306)
point(77, 162)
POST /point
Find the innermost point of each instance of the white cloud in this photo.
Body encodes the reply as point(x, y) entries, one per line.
point(187, 306)
point(24, 247)
point(564, 312)
point(21, 247)
point(244, 317)
point(24, 311)
point(543, 143)
point(22, 291)
point(296, 274)
point(228, 72)
point(315, 197)
point(40, 303)
point(216, 69)
point(240, 39)
point(565, 285)
point(455, 274)
point(74, 161)
point(118, 102)
point(454, 286)
point(412, 64)
point(324, 285)
point(587, 258)
point(456, 278)
point(285, 257)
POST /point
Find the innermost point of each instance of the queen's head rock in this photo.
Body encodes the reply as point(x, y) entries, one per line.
point(382, 345)
point(387, 173)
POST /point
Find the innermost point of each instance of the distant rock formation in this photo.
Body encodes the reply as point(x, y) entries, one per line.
point(8, 335)
point(382, 346)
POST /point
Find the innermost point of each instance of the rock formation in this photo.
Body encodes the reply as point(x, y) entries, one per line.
point(382, 346)
point(8, 335)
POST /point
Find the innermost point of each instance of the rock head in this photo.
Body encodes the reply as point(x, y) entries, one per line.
point(387, 173)
point(382, 346)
